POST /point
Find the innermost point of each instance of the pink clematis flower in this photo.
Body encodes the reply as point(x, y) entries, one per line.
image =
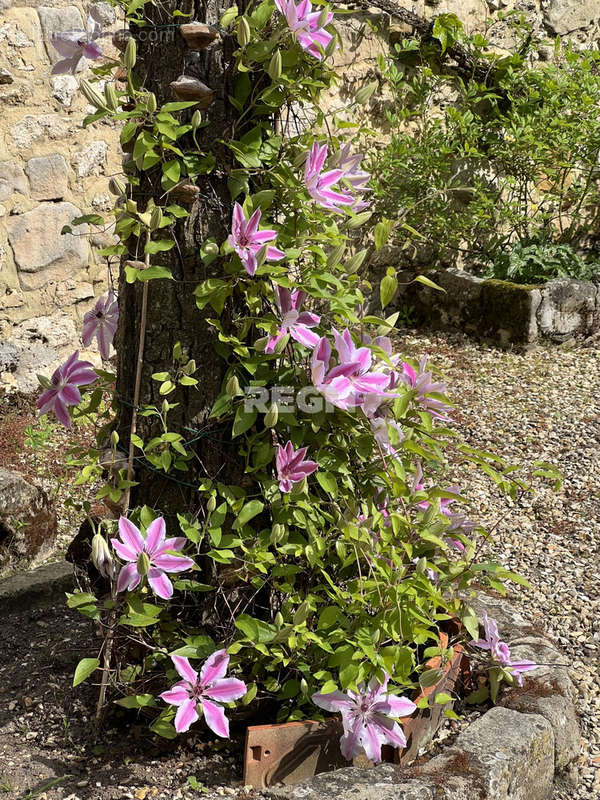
point(294, 322)
point(63, 389)
point(499, 650)
point(319, 183)
point(366, 718)
point(149, 557)
point(75, 45)
point(422, 383)
point(291, 466)
point(247, 240)
point(196, 694)
point(304, 23)
point(101, 322)
point(353, 175)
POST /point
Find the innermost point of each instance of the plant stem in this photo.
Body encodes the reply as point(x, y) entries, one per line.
point(112, 619)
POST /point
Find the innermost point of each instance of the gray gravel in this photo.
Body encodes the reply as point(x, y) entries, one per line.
point(542, 405)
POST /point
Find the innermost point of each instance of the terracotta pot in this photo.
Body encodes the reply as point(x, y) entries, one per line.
point(294, 751)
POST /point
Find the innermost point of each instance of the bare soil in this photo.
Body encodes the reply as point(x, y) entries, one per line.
point(48, 744)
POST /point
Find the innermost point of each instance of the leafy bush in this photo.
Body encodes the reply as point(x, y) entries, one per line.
point(341, 550)
point(482, 164)
point(538, 262)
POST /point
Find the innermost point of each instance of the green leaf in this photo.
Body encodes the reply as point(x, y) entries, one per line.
point(136, 701)
point(243, 421)
point(151, 273)
point(478, 696)
point(248, 512)
point(428, 282)
point(84, 669)
point(387, 289)
point(429, 678)
point(159, 246)
point(328, 482)
point(442, 698)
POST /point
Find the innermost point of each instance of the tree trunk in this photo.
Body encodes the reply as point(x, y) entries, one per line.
point(172, 312)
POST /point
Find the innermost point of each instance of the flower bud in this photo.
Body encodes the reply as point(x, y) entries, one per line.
point(278, 621)
point(91, 95)
point(151, 104)
point(165, 407)
point(115, 186)
point(44, 382)
point(156, 218)
point(112, 98)
point(304, 686)
point(277, 533)
point(130, 56)
point(233, 386)
point(131, 206)
point(101, 556)
point(243, 31)
point(143, 563)
point(274, 68)
point(323, 18)
point(272, 416)
point(114, 438)
point(261, 256)
point(196, 120)
point(211, 504)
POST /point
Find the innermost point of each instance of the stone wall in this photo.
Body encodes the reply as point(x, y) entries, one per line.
point(51, 170)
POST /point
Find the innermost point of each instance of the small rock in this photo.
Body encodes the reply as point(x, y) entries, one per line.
point(5, 76)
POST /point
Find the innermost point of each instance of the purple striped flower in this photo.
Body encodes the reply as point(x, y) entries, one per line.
point(499, 650)
point(291, 466)
point(368, 718)
point(196, 694)
point(101, 323)
point(76, 44)
point(319, 183)
point(149, 557)
point(247, 240)
point(304, 23)
point(62, 390)
point(296, 323)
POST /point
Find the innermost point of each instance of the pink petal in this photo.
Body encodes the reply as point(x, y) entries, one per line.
point(186, 716)
point(67, 44)
point(252, 225)
point(214, 667)
point(60, 409)
point(272, 343)
point(350, 741)
point(238, 219)
point(171, 563)
point(260, 237)
point(216, 719)
point(275, 254)
point(395, 706)
point(225, 690)
point(305, 336)
point(176, 543)
point(390, 732)
point(123, 551)
point(92, 51)
point(131, 536)
point(155, 535)
point(176, 695)
point(70, 395)
point(159, 583)
point(334, 701)
point(250, 263)
point(372, 740)
point(128, 578)
point(185, 669)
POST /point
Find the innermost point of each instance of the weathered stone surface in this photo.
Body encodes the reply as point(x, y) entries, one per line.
point(12, 179)
point(48, 177)
point(27, 520)
point(64, 88)
point(568, 307)
point(5, 76)
point(56, 20)
point(90, 160)
point(542, 698)
point(30, 128)
point(37, 587)
point(566, 16)
point(380, 783)
point(9, 357)
point(503, 755)
point(41, 253)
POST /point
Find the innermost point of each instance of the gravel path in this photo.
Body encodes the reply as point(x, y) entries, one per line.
point(544, 405)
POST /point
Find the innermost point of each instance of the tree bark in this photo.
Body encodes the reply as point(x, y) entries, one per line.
point(172, 312)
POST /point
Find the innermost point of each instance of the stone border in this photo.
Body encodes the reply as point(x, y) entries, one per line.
point(36, 588)
point(501, 312)
point(516, 751)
